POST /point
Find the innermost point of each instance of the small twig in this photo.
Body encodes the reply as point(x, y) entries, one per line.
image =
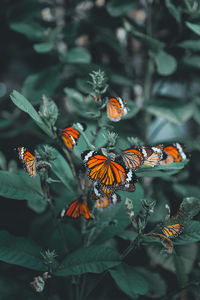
point(97, 129)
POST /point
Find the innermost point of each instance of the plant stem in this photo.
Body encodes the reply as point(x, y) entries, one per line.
point(45, 187)
point(187, 3)
point(97, 128)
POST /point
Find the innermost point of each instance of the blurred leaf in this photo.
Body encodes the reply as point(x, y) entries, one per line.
point(173, 10)
point(20, 251)
point(161, 171)
point(133, 109)
point(190, 45)
point(121, 80)
point(73, 94)
point(32, 31)
point(44, 82)
point(83, 85)
point(174, 111)
point(43, 47)
point(150, 42)
point(129, 280)
point(94, 259)
point(190, 234)
point(114, 219)
point(187, 190)
point(128, 235)
point(187, 254)
point(61, 169)
point(190, 207)
point(166, 64)
point(194, 27)
point(77, 55)
point(3, 162)
point(192, 61)
point(118, 8)
point(37, 205)
point(155, 290)
point(20, 186)
point(22, 103)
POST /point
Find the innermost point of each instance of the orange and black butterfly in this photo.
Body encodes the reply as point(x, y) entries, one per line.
point(116, 108)
point(76, 209)
point(173, 153)
point(108, 173)
point(132, 158)
point(28, 160)
point(152, 155)
point(70, 135)
point(172, 231)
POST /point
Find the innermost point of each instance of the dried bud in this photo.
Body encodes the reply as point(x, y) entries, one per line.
point(129, 209)
point(39, 282)
point(48, 111)
point(98, 83)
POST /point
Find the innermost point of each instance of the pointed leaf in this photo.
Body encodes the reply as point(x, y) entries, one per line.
point(43, 47)
point(77, 55)
point(129, 280)
point(194, 27)
point(94, 259)
point(20, 251)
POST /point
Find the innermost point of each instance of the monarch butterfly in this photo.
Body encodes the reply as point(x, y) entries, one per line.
point(76, 209)
point(70, 135)
point(152, 155)
point(108, 173)
point(28, 160)
point(133, 158)
point(104, 201)
point(116, 109)
point(173, 153)
point(171, 231)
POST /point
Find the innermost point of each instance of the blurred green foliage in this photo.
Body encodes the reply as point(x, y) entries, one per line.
point(149, 52)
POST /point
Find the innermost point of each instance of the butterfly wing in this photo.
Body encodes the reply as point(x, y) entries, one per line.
point(173, 153)
point(105, 200)
point(70, 135)
point(76, 209)
point(116, 108)
point(29, 161)
point(153, 155)
point(172, 231)
point(133, 158)
point(103, 170)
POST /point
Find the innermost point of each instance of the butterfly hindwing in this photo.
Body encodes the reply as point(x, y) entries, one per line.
point(76, 209)
point(172, 231)
point(70, 135)
point(173, 153)
point(116, 108)
point(29, 161)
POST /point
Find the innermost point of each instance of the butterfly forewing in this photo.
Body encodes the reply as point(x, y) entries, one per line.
point(29, 161)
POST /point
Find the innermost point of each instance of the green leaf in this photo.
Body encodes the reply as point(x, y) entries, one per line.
point(37, 205)
point(121, 80)
point(44, 82)
point(43, 47)
point(174, 111)
point(94, 259)
point(190, 234)
point(20, 251)
point(166, 64)
point(114, 219)
point(160, 170)
point(194, 27)
point(74, 95)
point(61, 169)
point(118, 8)
point(192, 61)
point(173, 10)
point(150, 42)
point(77, 55)
point(128, 235)
point(22, 103)
point(32, 31)
point(187, 253)
point(190, 45)
point(20, 186)
point(129, 280)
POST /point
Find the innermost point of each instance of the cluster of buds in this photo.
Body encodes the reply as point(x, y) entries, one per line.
point(38, 282)
point(98, 83)
point(129, 209)
point(48, 111)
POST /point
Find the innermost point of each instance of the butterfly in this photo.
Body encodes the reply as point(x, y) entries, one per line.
point(28, 160)
point(132, 158)
point(104, 201)
point(70, 135)
point(152, 155)
point(108, 173)
point(172, 231)
point(173, 153)
point(76, 209)
point(116, 109)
